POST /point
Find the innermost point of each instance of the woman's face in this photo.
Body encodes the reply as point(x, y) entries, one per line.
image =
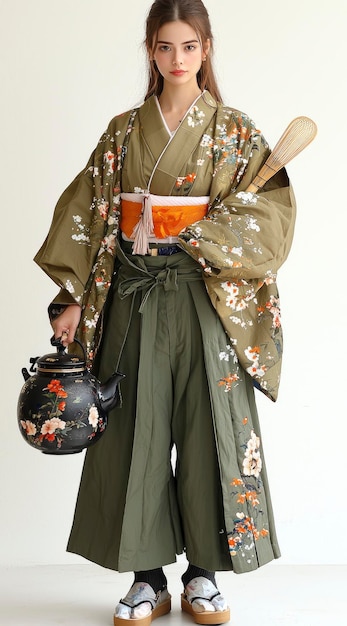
point(179, 53)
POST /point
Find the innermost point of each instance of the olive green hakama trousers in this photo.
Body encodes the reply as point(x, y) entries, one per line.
point(134, 511)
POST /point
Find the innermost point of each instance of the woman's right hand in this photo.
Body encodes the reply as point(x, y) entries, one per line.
point(65, 325)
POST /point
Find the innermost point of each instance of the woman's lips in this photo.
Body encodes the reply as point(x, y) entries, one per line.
point(178, 72)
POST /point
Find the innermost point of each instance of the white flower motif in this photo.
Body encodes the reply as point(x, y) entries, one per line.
point(252, 462)
point(50, 426)
point(93, 416)
point(270, 277)
point(29, 427)
point(229, 353)
point(109, 244)
point(103, 208)
point(236, 321)
point(230, 287)
point(109, 160)
point(69, 286)
point(237, 251)
point(252, 224)
point(252, 466)
point(247, 197)
point(81, 238)
point(196, 117)
point(91, 323)
point(230, 301)
point(252, 354)
point(253, 443)
point(256, 370)
point(206, 141)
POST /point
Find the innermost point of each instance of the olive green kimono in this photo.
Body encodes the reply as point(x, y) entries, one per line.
point(226, 282)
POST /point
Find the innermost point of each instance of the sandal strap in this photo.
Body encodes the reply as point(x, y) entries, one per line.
point(134, 606)
point(137, 596)
point(191, 600)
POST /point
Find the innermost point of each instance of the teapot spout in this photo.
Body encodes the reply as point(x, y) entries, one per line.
point(109, 395)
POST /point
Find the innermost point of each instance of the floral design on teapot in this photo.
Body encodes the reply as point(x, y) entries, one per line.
point(48, 424)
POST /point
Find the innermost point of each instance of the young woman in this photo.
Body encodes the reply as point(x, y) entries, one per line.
point(167, 268)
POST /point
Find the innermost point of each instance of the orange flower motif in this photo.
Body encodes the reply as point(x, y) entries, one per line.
point(252, 497)
point(190, 178)
point(54, 385)
point(245, 421)
point(61, 406)
point(185, 179)
point(236, 482)
point(228, 381)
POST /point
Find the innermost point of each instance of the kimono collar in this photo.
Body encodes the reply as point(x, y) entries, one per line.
point(172, 152)
point(155, 132)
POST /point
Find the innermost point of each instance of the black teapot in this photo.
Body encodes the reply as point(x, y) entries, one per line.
point(63, 408)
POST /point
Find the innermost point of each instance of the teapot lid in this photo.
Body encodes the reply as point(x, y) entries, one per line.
point(60, 362)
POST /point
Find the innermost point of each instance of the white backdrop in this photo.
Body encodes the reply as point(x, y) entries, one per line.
point(66, 69)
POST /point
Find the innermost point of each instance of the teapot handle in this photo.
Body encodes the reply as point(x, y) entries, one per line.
point(56, 342)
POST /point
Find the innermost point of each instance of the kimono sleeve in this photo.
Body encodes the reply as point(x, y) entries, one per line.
point(248, 234)
point(66, 254)
point(241, 244)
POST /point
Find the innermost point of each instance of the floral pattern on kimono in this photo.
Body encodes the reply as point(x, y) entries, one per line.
point(240, 244)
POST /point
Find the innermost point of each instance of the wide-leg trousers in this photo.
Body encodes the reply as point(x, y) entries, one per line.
point(135, 511)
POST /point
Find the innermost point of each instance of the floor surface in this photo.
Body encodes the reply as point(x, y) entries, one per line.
point(76, 595)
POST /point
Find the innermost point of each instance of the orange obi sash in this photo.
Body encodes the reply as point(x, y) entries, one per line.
point(146, 217)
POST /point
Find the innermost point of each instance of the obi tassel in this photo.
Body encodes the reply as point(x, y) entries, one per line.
point(144, 228)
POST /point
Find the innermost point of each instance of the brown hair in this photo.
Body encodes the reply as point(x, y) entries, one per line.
point(194, 13)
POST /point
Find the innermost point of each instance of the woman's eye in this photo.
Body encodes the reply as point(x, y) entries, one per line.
point(191, 47)
point(164, 48)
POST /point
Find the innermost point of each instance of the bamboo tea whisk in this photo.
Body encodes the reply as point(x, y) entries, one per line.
point(297, 136)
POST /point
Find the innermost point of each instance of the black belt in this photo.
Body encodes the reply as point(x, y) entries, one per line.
point(164, 250)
